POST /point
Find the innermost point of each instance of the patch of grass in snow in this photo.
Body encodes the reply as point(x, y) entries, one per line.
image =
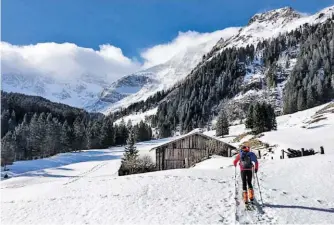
point(240, 137)
point(319, 115)
point(317, 119)
point(255, 143)
point(327, 109)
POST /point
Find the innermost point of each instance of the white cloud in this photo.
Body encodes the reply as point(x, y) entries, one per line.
point(66, 61)
point(162, 53)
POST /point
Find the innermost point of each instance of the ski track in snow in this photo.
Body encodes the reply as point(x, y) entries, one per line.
point(200, 195)
point(259, 216)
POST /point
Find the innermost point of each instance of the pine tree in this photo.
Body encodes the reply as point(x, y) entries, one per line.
point(11, 124)
point(51, 138)
point(165, 131)
point(301, 104)
point(129, 125)
point(93, 135)
point(5, 116)
point(249, 118)
point(8, 149)
point(79, 134)
point(310, 100)
point(22, 133)
point(222, 124)
point(121, 133)
point(65, 137)
point(108, 133)
point(130, 155)
point(35, 137)
point(43, 150)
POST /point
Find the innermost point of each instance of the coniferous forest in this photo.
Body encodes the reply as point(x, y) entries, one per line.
point(33, 127)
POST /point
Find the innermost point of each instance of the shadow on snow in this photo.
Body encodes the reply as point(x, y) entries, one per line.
point(36, 167)
point(331, 210)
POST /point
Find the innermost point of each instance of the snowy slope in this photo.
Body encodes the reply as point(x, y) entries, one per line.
point(307, 129)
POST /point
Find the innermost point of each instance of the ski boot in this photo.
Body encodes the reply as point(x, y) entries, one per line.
point(245, 197)
point(251, 195)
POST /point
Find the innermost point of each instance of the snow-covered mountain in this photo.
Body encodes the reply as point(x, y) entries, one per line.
point(260, 27)
point(140, 85)
point(253, 85)
point(270, 24)
point(81, 92)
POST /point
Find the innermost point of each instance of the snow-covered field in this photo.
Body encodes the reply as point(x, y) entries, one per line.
point(83, 187)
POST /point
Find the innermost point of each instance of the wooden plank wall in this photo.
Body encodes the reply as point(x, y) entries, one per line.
point(188, 151)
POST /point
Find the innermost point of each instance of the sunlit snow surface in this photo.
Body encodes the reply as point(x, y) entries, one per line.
point(84, 188)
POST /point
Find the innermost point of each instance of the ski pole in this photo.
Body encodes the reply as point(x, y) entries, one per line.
point(235, 194)
point(258, 184)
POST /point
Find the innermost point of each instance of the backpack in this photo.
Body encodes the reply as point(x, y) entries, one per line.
point(246, 161)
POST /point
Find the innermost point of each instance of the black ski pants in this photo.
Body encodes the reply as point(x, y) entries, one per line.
point(246, 176)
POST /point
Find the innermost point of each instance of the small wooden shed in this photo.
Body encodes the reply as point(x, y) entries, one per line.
point(188, 150)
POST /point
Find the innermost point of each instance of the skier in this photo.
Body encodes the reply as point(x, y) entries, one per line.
point(246, 158)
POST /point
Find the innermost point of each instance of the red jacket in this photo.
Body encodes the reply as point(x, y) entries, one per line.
point(251, 155)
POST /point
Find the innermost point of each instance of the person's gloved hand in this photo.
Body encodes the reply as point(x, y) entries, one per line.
point(255, 170)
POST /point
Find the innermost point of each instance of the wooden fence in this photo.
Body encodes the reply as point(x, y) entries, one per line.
point(292, 153)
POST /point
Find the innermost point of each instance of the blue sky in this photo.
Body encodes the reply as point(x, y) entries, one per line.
point(132, 25)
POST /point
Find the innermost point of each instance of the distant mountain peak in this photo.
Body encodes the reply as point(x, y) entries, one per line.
point(273, 15)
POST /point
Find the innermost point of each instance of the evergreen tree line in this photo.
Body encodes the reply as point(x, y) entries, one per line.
point(261, 118)
point(311, 82)
point(24, 104)
point(190, 105)
point(45, 134)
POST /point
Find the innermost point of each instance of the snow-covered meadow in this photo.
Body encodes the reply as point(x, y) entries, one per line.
point(84, 188)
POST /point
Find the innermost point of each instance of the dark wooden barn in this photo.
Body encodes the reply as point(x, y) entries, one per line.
point(188, 150)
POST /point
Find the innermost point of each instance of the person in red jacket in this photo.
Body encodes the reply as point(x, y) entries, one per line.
point(247, 159)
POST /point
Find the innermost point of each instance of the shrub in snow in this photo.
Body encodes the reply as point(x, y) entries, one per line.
point(142, 164)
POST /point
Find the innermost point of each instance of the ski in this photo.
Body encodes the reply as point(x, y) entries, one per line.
point(249, 206)
point(258, 207)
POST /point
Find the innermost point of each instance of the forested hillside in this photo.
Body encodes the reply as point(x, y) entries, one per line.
point(33, 127)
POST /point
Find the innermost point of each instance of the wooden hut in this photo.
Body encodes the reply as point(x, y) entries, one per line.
point(188, 150)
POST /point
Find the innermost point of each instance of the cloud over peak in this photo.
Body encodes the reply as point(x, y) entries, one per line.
point(161, 53)
point(65, 60)
point(69, 61)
